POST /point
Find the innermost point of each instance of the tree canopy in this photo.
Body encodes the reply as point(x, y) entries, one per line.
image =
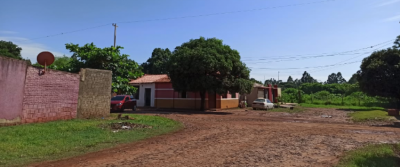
point(10, 49)
point(157, 63)
point(108, 58)
point(335, 78)
point(290, 79)
point(255, 81)
point(353, 79)
point(380, 74)
point(306, 78)
point(207, 65)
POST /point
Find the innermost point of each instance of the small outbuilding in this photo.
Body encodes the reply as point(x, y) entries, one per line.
point(260, 91)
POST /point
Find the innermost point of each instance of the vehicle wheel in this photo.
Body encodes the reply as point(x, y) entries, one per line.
point(134, 108)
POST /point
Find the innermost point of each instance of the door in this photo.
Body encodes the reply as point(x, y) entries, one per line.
point(212, 100)
point(147, 97)
point(260, 94)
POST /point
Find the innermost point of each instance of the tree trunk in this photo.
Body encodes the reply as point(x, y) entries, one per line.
point(202, 97)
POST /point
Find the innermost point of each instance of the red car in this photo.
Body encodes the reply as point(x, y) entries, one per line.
point(122, 102)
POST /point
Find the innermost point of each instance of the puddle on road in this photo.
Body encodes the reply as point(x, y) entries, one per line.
point(370, 132)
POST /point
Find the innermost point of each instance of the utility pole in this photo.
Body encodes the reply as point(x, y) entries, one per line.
point(115, 32)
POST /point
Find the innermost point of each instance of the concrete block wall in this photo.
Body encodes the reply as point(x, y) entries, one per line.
point(12, 79)
point(94, 93)
point(48, 97)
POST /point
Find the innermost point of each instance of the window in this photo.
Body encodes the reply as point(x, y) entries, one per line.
point(119, 98)
point(268, 101)
point(233, 95)
point(127, 99)
point(183, 94)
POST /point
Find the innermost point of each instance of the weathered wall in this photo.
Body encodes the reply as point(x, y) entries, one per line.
point(229, 103)
point(48, 97)
point(94, 93)
point(12, 78)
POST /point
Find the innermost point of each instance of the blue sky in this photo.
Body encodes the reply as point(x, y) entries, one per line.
point(272, 35)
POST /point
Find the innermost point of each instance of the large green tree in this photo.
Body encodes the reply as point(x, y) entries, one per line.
point(380, 74)
point(207, 65)
point(108, 58)
point(336, 78)
point(157, 63)
point(290, 79)
point(353, 79)
point(10, 49)
point(306, 78)
point(60, 63)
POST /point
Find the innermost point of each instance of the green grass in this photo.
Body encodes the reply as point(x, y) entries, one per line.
point(384, 155)
point(370, 115)
point(361, 113)
point(30, 143)
point(354, 108)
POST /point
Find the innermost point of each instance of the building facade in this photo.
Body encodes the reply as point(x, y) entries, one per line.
point(157, 91)
point(260, 91)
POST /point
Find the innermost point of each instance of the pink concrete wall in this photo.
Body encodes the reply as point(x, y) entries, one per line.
point(12, 78)
point(51, 96)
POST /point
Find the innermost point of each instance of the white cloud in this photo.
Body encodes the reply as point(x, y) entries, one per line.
point(394, 18)
point(388, 3)
point(30, 49)
point(7, 32)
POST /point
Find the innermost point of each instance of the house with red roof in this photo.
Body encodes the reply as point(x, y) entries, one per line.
point(157, 91)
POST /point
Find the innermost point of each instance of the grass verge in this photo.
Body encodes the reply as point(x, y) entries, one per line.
point(354, 108)
point(30, 143)
point(372, 156)
point(360, 113)
point(377, 115)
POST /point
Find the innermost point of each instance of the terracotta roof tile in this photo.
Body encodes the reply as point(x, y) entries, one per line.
point(149, 78)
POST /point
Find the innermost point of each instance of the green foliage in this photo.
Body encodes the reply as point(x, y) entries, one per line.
point(207, 65)
point(60, 63)
point(397, 43)
point(24, 144)
point(335, 78)
point(380, 74)
point(255, 81)
point(272, 81)
point(290, 79)
point(9, 49)
point(157, 63)
point(306, 78)
point(353, 79)
point(290, 95)
point(376, 115)
point(108, 58)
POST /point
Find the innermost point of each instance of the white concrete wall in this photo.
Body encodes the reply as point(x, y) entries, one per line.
point(141, 101)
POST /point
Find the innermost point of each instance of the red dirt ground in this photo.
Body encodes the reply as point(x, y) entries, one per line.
point(244, 138)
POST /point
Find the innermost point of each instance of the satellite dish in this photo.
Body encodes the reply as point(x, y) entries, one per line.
point(45, 58)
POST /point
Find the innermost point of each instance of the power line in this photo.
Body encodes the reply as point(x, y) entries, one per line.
point(338, 63)
point(184, 17)
point(305, 67)
point(324, 55)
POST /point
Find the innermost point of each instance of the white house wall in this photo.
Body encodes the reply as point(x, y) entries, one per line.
point(142, 87)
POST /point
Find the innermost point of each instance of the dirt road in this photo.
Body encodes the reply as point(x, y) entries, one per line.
point(244, 138)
